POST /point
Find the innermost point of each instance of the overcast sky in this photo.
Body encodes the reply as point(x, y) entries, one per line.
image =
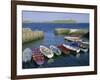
point(37, 16)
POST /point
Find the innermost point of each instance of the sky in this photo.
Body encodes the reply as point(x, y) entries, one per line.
point(41, 16)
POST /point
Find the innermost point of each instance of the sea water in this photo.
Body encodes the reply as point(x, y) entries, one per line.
point(51, 39)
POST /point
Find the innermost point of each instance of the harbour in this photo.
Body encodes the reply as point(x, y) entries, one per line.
point(65, 59)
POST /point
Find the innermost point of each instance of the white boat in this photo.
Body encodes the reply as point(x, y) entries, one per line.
point(55, 50)
point(72, 38)
point(46, 51)
point(84, 50)
point(72, 48)
point(84, 44)
point(27, 55)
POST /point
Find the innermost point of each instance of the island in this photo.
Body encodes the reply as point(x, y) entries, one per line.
point(53, 21)
point(63, 21)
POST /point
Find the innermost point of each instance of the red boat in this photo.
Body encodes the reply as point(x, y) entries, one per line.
point(37, 56)
point(63, 49)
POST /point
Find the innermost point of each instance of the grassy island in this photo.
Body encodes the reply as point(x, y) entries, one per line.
point(64, 21)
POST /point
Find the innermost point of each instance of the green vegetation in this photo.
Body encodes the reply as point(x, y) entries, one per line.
point(79, 32)
point(54, 21)
point(29, 35)
point(65, 31)
point(63, 21)
point(27, 21)
point(62, 31)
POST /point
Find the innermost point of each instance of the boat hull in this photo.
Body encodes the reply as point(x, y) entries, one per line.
point(37, 56)
point(71, 48)
point(55, 50)
point(46, 52)
point(64, 50)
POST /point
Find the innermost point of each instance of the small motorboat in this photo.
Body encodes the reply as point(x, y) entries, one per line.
point(46, 51)
point(26, 55)
point(72, 46)
point(63, 49)
point(37, 56)
point(55, 50)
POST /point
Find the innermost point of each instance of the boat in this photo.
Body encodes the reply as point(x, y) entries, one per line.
point(55, 50)
point(46, 51)
point(26, 55)
point(63, 49)
point(84, 44)
point(37, 56)
point(84, 50)
point(72, 38)
point(73, 46)
point(87, 43)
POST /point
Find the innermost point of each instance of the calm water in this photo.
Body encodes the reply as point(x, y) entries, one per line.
point(49, 36)
point(51, 39)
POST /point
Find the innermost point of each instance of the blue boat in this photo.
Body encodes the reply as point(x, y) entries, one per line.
point(73, 46)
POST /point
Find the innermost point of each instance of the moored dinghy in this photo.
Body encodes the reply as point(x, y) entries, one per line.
point(72, 38)
point(55, 50)
point(37, 56)
point(84, 50)
point(63, 49)
point(84, 44)
point(27, 55)
point(72, 46)
point(46, 51)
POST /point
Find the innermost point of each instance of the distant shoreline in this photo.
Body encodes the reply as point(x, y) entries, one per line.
point(50, 23)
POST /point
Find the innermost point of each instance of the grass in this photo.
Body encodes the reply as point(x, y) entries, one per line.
point(61, 31)
point(65, 31)
point(80, 32)
point(28, 35)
